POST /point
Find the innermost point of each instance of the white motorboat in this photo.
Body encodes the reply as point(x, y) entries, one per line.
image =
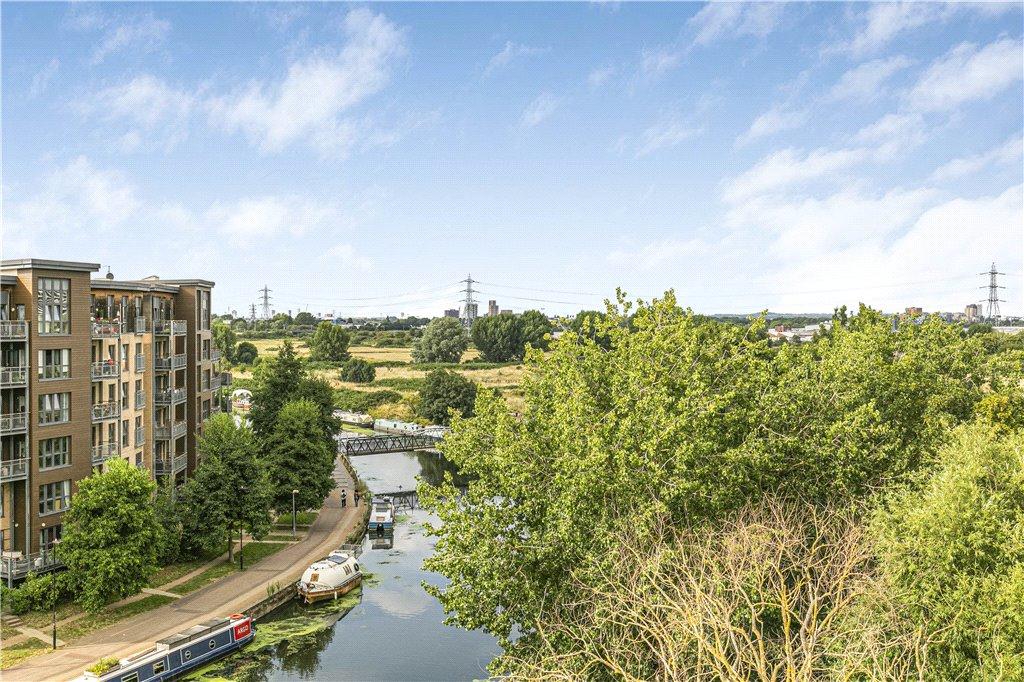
point(332, 577)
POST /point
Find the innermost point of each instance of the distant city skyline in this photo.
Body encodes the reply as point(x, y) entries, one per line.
point(362, 159)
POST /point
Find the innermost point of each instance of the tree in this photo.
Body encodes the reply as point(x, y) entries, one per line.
point(678, 421)
point(443, 340)
point(245, 353)
point(305, 319)
point(444, 390)
point(110, 535)
point(165, 509)
point(230, 488)
point(319, 392)
point(329, 342)
point(591, 324)
point(276, 382)
point(299, 458)
point(499, 338)
point(358, 371)
point(225, 339)
point(536, 328)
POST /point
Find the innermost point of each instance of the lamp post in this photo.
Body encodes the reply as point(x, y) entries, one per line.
point(53, 596)
point(294, 493)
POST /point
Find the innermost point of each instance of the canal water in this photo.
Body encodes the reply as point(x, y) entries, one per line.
point(391, 629)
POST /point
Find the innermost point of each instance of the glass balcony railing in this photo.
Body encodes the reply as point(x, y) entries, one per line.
point(15, 566)
point(106, 329)
point(14, 469)
point(173, 327)
point(13, 330)
point(104, 451)
point(169, 396)
point(105, 369)
point(13, 376)
point(107, 410)
point(15, 422)
point(171, 362)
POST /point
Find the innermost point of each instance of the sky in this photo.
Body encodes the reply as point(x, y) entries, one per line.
point(363, 159)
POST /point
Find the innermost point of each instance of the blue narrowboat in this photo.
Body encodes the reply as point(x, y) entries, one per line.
point(182, 652)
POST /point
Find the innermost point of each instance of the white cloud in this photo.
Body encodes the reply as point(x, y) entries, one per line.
point(894, 131)
point(656, 254)
point(1005, 154)
point(883, 21)
point(864, 82)
point(788, 167)
point(510, 52)
point(346, 255)
point(600, 76)
point(144, 33)
point(967, 73)
point(311, 102)
point(538, 110)
point(42, 79)
point(734, 19)
point(145, 100)
point(775, 120)
point(657, 62)
point(664, 134)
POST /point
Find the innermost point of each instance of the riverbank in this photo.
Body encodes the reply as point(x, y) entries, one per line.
point(236, 592)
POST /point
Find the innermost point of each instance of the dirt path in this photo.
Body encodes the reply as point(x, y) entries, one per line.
point(230, 594)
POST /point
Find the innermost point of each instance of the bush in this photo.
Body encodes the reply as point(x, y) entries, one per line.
point(363, 401)
point(38, 593)
point(246, 353)
point(329, 342)
point(357, 371)
point(445, 390)
point(103, 665)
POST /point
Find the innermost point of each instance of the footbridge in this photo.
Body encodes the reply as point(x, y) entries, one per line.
point(380, 444)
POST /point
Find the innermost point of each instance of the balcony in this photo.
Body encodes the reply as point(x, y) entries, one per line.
point(140, 363)
point(170, 431)
point(14, 566)
point(13, 470)
point(180, 462)
point(13, 377)
point(15, 422)
point(162, 465)
point(140, 325)
point(172, 327)
point(106, 330)
point(225, 378)
point(13, 330)
point(215, 355)
point(107, 410)
point(140, 437)
point(140, 400)
point(104, 451)
point(171, 362)
point(169, 396)
point(105, 369)
point(215, 382)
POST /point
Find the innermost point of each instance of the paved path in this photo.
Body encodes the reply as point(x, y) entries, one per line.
point(231, 594)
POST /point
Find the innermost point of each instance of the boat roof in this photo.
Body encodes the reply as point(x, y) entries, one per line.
point(193, 632)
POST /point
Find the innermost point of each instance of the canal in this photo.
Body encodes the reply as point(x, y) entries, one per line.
point(391, 630)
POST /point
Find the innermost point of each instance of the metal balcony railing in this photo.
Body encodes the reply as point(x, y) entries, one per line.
point(15, 422)
point(106, 330)
point(162, 465)
point(170, 431)
point(179, 327)
point(169, 396)
point(107, 410)
point(179, 429)
point(140, 363)
point(104, 369)
point(215, 355)
point(13, 566)
point(140, 437)
point(171, 362)
point(140, 325)
point(225, 378)
point(174, 327)
point(215, 382)
point(13, 376)
point(180, 462)
point(13, 330)
point(140, 400)
point(14, 469)
point(104, 451)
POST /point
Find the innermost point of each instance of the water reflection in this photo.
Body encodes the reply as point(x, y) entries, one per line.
point(391, 629)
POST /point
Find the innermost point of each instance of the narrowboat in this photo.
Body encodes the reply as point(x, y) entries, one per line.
point(396, 427)
point(175, 655)
point(382, 515)
point(331, 578)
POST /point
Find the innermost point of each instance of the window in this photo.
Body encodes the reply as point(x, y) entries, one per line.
point(54, 452)
point(55, 363)
point(54, 408)
point(124, 356)
point(53, 297)
point(124, 433)
point(158, 667)
point(130, 677)
point(139, 362)
point(49, 535)
point(124, 395)
point(54, 497)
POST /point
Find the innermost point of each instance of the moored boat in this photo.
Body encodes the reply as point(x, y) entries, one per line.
point(331, 578)
point(175, 655)
point(382, 515)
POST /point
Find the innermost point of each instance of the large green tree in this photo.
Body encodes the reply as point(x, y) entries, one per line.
point(299, 458)
point(246, 353)
point(276, 382)
point(358, 371)
point(110, 535)
point(682, 421)
point(329, 342)
point(499, 338)
point(225, 339)
point(444, 390)
point(536, 329)
point(443, 340)
point(305, 319)
point(229, 490)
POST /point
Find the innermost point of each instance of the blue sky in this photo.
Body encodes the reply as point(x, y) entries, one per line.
point(362, 159)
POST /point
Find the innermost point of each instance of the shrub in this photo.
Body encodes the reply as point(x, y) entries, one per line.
point(363, 401)
point(103, 665)
point(445, 390)
point(357, 371)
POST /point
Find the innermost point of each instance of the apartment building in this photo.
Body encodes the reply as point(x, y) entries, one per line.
point(92, 370)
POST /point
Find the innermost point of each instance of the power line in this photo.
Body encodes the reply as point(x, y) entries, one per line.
point(546, 291)
point(419, 292)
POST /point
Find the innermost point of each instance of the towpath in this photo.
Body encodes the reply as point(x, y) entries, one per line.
point(231, 594)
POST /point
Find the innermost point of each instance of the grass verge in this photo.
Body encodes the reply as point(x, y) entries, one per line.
point(94, 621)
point(11, 656)
point(253, 552)
point(303, 518)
